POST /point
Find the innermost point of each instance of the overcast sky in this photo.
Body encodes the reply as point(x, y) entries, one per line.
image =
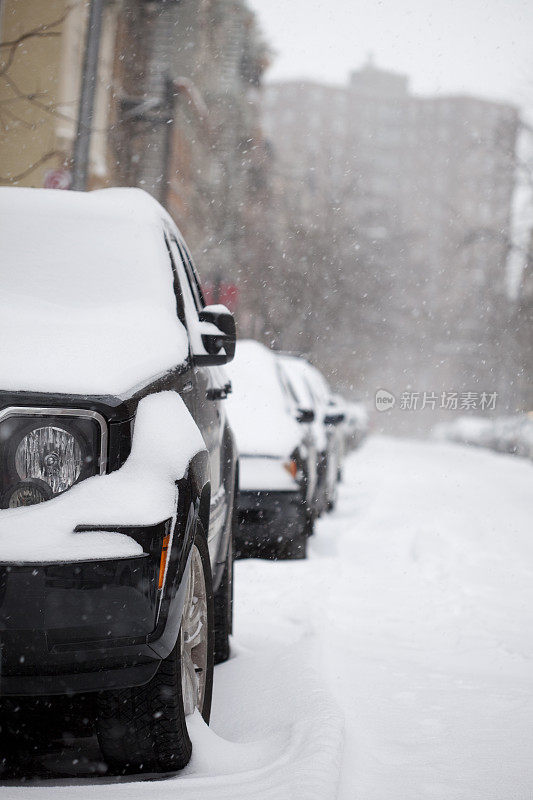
point(481, 47)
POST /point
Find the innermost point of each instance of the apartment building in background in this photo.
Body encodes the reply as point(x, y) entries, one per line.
point(428, 183)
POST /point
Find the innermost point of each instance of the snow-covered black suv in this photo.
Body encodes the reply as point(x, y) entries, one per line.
point(117, 472)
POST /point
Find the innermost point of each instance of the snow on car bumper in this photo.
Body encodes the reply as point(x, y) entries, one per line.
point(265, 474)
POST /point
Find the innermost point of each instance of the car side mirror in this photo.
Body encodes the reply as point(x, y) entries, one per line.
point(333, 419)
point(218, 334)
point(305, 415)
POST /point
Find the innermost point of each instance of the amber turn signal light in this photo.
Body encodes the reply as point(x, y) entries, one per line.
point(291, 467)
point(163, 563)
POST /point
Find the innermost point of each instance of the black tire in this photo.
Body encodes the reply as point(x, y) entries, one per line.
point(310, 522)
point(296, 547)
point(224, 609)
point(332, 498)
point(143, 729)
point(34, 723)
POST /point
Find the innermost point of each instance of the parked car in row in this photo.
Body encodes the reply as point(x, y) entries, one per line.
point(277, 456)
point(356, 424)
point(118, 473)
point(135, 460)
point(311, 388)
point(287, 426)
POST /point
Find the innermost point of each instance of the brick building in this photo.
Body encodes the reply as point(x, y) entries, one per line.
point(189, 134)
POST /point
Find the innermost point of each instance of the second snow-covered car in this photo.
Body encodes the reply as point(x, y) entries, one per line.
point(313, 391)
point(277, 460)
point(117, 474)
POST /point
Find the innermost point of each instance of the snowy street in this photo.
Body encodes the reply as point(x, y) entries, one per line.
point(266, 400)
point(411, 625)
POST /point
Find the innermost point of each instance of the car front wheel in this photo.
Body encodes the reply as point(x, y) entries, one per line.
point(143, 729)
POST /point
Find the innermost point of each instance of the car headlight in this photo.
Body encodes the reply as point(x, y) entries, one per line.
point(51, 454)
point(43, 452)
point(28, 494)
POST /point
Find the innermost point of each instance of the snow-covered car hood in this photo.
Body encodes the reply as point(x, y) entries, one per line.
point(86, 294)
point(259, 413)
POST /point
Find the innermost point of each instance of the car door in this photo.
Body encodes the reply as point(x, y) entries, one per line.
point(295, 402)
point(208, 396)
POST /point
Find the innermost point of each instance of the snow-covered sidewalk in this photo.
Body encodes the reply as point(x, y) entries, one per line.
point(413, 616)
point(419, 595)
point(428, 629)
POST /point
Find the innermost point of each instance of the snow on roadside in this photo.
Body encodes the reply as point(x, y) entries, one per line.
point(271, 692)
point(430, 618)
point(414, 611)
point(417, 603)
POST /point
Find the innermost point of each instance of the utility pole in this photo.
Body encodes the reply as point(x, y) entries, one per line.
point(89, 74)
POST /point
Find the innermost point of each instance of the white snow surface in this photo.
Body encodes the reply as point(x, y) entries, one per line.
point(86, 291)
point(142, 492)
point(416, 607)
point(469, 430)
point(414, 611)
point(259, 412)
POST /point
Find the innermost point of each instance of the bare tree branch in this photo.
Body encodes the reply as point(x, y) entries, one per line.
point(40, 32)
point(49, 108)
point(42, 160)
point(28, 125)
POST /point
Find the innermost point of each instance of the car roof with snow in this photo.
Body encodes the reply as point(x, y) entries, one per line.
point(117, 202)
point(312, 377)
point(296, 380)
point(87, 304)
